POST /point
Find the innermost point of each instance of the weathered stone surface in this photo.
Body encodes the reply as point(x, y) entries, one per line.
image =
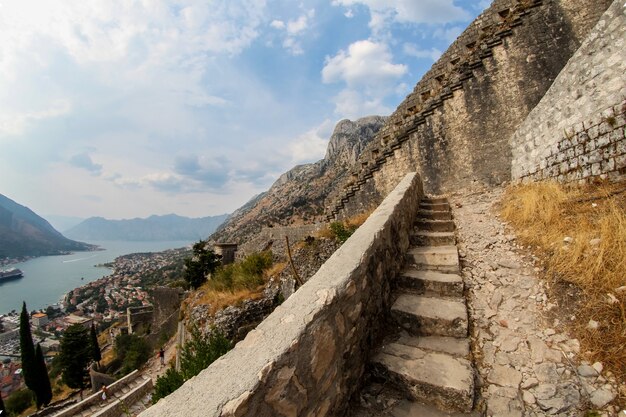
point(439, 258)
point(424, 315)
point(451, 345)
point(504, 376)
point(412, 409)
point(430, 377)
point(426, 238)
point(431, 282)
point(601, 397)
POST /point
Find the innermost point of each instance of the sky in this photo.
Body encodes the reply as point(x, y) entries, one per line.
point(129, 108)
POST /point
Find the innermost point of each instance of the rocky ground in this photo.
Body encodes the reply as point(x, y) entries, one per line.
point(528, 365)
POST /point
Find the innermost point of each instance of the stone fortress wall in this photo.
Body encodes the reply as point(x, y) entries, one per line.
point(308, 356)
point(576, 132)
point(454, 128)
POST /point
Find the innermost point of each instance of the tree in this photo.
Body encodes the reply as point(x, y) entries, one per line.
point(197, 354)
point(27, 350)
point(203, 262)
point(132, 351)
point(43, 392)
point(75, 356)
point(95, 347)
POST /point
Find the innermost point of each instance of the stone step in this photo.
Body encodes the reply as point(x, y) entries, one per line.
point(425, 238)
point(434, 215)
point(454, 346)
point(434, 200)
point(435, 225)
point(431, 316)
point(428, 377)
point(435, 206)
point(412, 409)
point(438, 258)
point(430, 282)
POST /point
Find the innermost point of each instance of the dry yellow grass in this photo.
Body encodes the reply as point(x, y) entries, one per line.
point(579, 232)
point(351, 223)
point(218, 300)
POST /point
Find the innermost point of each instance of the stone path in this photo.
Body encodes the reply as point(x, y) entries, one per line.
point(527, 364)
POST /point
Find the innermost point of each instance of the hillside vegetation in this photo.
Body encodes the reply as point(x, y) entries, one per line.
point(579, 232)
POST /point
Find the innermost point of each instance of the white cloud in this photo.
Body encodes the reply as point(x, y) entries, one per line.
point(294, 30)
point(384, 12)
point(349, 14)
point(14, 123)
point(370, 75)
point(138, 49)
point(414, 50)
point(277, 24)
point(364, 63)
point(311, 145)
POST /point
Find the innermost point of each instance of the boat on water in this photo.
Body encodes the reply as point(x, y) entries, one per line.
point(9, 274)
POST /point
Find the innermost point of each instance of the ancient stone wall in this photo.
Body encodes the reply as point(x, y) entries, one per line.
point(576, 132)
point(454, 128)
point(307, 357)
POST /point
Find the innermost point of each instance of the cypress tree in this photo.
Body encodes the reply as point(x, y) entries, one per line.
point(74, 357)
point(27, 349)
point(95, 347)
point(43, 393)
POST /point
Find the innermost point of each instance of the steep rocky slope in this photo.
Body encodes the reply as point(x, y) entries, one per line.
point(299, 195)
point(24, 233)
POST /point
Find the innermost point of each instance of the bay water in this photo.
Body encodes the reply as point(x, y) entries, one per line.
point(47, 278)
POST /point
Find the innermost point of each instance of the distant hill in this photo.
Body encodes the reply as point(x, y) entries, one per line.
point(24, 233)
point(63, 223)
point(153, 228)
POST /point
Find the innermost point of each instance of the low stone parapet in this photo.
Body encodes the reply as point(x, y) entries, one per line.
point(307, 358)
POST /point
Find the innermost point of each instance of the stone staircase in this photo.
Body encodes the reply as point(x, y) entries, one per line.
point(430, 362)
point(125, 394)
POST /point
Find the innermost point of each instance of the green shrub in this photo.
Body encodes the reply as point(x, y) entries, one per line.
point(340, 231)
point(132, 351)
point(246, 274)
point(19, 401)
point(197, 354)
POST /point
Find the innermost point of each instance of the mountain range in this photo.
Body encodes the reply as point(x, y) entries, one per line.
point(153, 228)
point(24, 233)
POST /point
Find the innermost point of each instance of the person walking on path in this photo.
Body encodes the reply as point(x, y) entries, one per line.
point(162, 356)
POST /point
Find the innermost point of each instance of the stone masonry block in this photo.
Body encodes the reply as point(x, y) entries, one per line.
point(594, 156)
point(605, 127)
point(593, 132)
point(603, 140)
point(579, 150)
point(616, 135)
point(608, 165)
point(620, 147)
point(596, 169)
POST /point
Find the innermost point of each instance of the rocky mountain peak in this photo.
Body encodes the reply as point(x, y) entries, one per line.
point(350, 137)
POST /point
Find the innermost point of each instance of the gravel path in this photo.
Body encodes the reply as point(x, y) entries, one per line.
point(528, 365)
